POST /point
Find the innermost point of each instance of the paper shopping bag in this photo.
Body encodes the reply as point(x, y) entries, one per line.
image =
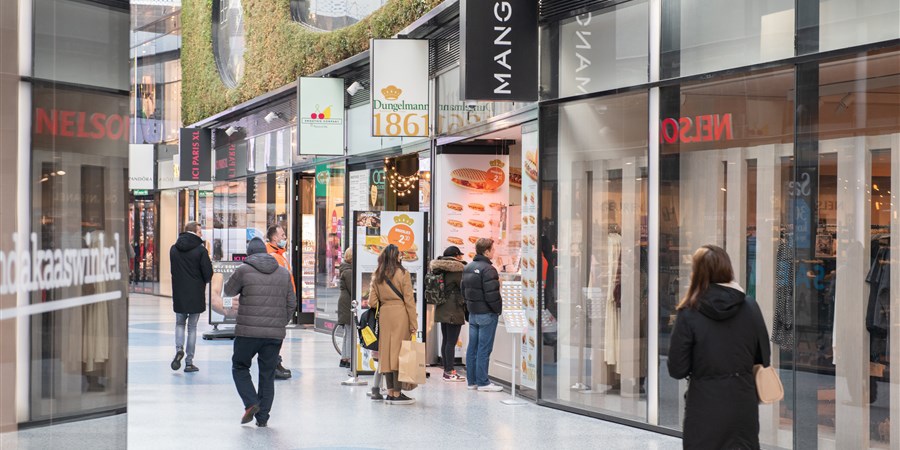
point(412, 362)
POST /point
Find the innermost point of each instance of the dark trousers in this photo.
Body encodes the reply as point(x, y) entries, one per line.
point(392, 381)
point(266, 350)
point(449, 337)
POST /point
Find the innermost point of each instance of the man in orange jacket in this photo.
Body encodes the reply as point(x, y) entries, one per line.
point(276, 245)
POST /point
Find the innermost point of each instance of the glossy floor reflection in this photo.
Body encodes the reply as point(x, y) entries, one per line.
point(169, 409)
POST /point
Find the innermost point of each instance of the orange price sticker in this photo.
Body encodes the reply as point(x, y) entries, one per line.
point(402, 236)
point(495, 178)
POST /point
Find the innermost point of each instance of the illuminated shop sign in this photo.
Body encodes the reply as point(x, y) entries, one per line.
point(80, 124)
point(705, 128)
point(195, 149)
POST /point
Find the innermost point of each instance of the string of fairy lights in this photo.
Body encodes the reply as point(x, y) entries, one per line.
point(403, 185)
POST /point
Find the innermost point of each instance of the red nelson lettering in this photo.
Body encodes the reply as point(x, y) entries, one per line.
point(81, 123)
point(685, 123)
point(66, 122)
point(707, 128)
point(109, 127)
point(667, 125)
point(97, 121)
point(703, 128)
point(43, 120)
point(723, 123)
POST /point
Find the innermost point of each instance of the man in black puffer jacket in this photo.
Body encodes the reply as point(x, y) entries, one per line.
point(481, 289)
point(267, 303)
point(191, 270)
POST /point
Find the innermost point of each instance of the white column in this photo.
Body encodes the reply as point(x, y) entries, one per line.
point(736, 212)
point(895, 288)
point(596, 311)
point(768, 227)
point(851, 337)
point(653, 249)
point(630, 325)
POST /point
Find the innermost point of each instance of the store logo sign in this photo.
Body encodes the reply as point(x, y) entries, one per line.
point(399, 87)
point(321, 130)
point(80, 124)
point(195, 149)
point(499, 48)
point(688, 130)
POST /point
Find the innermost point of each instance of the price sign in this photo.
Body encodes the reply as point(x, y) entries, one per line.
point(402, 236)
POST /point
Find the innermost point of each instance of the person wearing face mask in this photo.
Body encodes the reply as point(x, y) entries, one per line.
point(276, 246)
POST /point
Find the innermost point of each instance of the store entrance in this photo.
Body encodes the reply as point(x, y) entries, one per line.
point(304, 239)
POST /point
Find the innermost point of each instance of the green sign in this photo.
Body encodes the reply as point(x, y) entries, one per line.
point(322, 180)
point(141, 192)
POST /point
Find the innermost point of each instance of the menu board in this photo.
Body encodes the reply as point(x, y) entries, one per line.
point(530, 258)
point(474, 198)
point(359, 190)
point(307, 285)
point(222, 309)
point(375, 230)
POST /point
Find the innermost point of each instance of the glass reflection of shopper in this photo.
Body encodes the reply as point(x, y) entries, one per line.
point(451, 310)
point(344, 307)
point(191, 270)
point(718, 337)
point(481, 289)
point(392, 293)
point(276, 246)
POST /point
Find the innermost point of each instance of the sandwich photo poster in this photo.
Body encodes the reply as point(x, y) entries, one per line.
point(474, 201)
point(529, 259)
point(375, 230)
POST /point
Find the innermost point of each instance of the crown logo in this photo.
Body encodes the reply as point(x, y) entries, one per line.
point(404, 219)
point(497, 163)
point(391, 92)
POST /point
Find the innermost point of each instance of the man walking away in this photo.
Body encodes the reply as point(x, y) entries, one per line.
point(191, 271)
point(481, 289)
point(267, 304)
point(276, 245)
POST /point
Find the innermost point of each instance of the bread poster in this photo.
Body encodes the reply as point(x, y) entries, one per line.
point(473, 203)
point(530, 259)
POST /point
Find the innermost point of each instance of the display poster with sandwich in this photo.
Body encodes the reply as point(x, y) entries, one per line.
point(474, 203)
point(529, 258)
point(222, 309)
point(306, 286)
point(375, 230)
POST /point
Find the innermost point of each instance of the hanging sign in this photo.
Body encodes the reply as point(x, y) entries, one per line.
point(399, 89)
point(321, 112)
point(195, 149)
point(499, 50)
point(140, 167)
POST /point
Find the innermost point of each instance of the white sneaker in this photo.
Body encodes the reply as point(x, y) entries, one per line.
point(490, 388)
point(472, 387)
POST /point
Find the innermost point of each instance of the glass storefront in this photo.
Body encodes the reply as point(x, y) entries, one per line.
point(595, 192)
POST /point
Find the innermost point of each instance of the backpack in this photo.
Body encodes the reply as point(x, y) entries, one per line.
point(434, 288)
point(367, 328)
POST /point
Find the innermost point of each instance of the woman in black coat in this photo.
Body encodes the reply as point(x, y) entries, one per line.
point(345, 306)
point(717, 339)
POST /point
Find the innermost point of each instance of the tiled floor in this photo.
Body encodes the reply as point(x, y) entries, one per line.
point(169, 409)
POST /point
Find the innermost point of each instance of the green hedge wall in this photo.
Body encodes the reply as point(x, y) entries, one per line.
point(278, 50)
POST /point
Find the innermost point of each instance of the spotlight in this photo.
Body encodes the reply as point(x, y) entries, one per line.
point(231, 130)
point(354, 88)
point(270, 117)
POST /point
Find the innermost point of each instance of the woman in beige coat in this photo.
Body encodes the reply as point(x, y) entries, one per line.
point(396, 316)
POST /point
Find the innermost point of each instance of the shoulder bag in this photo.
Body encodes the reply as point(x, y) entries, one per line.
point(768, 384)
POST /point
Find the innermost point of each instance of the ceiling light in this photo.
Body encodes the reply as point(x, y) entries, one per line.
point(60, 172)
point(231, 130)
point(270, 117)
point(354, 88)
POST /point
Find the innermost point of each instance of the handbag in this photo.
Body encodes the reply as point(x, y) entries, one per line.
point(768, 384)
point(368, 329)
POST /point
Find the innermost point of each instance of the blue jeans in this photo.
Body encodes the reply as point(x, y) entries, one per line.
point(482, 328)
point(189, 320)
point(266, 353)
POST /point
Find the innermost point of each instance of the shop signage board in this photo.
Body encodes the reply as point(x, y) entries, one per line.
point(232, 161)
point(530, 259)
point(222, 309)
point(140, 167)
point(373, 231)
point(702, 128)
point(195, 150)
point(399, 87)
point(321, 112)
point(499, 50)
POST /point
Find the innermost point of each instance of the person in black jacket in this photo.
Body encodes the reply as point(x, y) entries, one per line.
point(267, 305)
point(451, 312)
point(345, 306)
point(191, 271)
point(481, 289)
point(718, 337)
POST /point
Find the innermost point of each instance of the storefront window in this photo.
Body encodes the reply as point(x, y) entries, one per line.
point(725, 152)
point(701, 36)
point(594, 240)
point(847, 23)
point(602, 49)
point(330, 240)
point(455, 114)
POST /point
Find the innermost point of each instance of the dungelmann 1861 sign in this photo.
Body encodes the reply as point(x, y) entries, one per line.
point(499, 45)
